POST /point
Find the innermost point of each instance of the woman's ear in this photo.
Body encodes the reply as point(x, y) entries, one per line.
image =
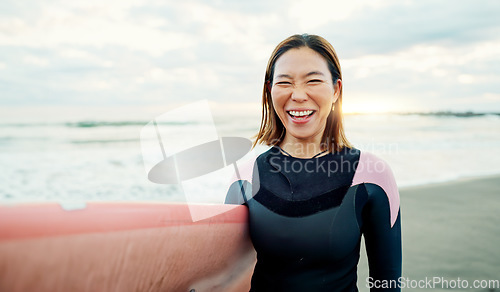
point(337, 87)
point(268, 85)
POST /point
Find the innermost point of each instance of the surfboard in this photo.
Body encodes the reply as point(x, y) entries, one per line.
point(124, 247)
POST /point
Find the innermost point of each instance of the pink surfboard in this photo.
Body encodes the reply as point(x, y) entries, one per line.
point(124, 247)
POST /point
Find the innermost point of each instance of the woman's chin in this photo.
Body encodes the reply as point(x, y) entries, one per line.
point(306, 135)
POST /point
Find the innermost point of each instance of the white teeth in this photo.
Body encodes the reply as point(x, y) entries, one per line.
point(300, 113)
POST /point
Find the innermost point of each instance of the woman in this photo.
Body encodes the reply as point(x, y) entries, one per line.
point(312, 195)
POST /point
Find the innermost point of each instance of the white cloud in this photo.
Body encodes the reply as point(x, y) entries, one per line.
point(492, 97)
point(310, 15)
point(11, 25)
point(437, 60)
point(99, 33)
point(478, 79)
point(92, 84)
point(466, 79)
point(91, 26)
point(111, 9)
point(216, 49)
point(185, 76)
point(100, 24)
point(36, 61)
point(85, 56)
point(232, 28)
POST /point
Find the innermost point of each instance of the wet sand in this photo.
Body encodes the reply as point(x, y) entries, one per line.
point(450, 231)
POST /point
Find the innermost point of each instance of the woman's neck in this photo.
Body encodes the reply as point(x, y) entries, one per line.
point(300, 148)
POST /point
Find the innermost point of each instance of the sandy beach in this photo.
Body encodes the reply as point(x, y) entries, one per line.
point(450, 231)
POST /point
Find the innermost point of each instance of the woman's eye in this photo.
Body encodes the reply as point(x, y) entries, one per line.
point(283, 83)
point(314, 81)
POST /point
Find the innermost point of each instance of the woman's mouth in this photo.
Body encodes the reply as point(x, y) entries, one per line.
point(300, 116)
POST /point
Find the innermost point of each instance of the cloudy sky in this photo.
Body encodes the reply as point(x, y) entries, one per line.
point(396, 55)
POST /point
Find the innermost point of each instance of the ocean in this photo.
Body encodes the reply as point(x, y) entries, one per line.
point(74, 155)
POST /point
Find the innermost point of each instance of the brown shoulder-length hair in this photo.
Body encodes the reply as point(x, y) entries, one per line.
point(272, 130)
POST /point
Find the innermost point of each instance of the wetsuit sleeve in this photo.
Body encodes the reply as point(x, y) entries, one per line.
point(240, 187)
point(382, 240)
point(237, 192)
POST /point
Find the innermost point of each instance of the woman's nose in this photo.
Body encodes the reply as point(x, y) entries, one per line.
point(299, 94)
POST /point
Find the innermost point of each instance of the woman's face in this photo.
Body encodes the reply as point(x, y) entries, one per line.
point(303, 93)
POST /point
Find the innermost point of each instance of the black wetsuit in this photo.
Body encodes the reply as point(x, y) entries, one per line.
point(306, 218)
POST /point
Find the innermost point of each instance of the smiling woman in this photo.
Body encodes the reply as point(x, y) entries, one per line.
point(312, 195)
point(303, 96)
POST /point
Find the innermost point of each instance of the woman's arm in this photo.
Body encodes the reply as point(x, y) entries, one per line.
point(382, 241)
point(381, 221)
point(238, 192)
point(240, 186)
